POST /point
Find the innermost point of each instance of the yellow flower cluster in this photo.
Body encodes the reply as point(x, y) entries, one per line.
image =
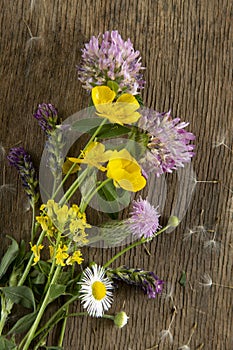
point(68, 221)
point(36, 251)
point(60, 256)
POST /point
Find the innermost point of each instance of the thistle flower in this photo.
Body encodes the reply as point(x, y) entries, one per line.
point(47, 117)
point(146, 280)
point(169, 143)
point(95, 292)
point(109, 58)
point(144, 219)
point(21, 160)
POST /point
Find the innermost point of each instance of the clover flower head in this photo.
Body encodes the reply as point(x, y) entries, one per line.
point(144, 219)
point(108, 57)
point(169, 145)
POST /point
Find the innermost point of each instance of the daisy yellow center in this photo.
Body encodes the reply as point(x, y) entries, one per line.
point(98, 290)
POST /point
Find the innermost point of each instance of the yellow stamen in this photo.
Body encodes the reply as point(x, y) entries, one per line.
point(98, 290)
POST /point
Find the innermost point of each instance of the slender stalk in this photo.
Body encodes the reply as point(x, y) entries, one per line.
point(135, 244)
point(72, 167)
point(91, 194)
point(58, 320)
point(51, 272)
point(29, 264)
point(33, 222)
point(73, 188)
point(45, 303)
point(63, 328)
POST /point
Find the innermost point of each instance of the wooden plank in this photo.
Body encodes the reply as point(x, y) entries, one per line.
point(186, 49)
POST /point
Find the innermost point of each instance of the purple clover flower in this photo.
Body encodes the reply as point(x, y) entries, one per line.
point(47, 117)
point(110, 58)
point(169, 143)
point(21, 160)
point(144, 219)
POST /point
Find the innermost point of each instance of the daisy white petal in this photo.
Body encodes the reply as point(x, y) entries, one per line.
point(95, 292)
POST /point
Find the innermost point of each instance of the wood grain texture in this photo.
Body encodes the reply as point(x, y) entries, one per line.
point(186, 47)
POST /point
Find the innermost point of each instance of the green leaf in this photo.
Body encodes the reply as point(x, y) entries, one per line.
point(37, 277)
point(182, 280)
point(44, 267)
point(53, 348)
point(23, 324)
point(115, 198)
point(113, 86)
point(20, 295)
point(6, 344)
point(112, 130)
point(55, 291)
point(9, 256)
point(85, 125)
point(139, 99)
point(107, 130)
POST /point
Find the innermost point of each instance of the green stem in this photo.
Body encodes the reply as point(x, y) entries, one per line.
point(73, 188)
point(33, 222)
point(91, 194)
point(135, 244)
point(56, 316)
point(45, 303)
point(63, 328)
point(30, 262)
point(51, 272)
point(72, 167)
point(58, 320)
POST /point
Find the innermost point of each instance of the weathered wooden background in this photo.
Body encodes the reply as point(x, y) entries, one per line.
point(186, 47)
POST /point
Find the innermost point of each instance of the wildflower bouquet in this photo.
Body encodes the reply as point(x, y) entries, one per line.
point(124, 144)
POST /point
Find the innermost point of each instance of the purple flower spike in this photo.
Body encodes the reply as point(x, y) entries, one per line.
point(109, 58)
point(146, 280)
point(47, 117)
point(21, 160)
point(144, 219)
point(152, 286)
point(169, 145)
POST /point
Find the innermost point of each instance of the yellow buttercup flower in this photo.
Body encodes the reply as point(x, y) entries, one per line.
point(61, 255)
point(76, 257)
point(123, 111)
point(94, 155)
point(125, 171)
point(36, 251)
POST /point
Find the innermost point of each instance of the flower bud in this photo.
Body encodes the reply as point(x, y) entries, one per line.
point(121, 319)
point(173, 221)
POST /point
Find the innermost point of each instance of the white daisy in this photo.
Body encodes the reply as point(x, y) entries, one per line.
point(95, 292)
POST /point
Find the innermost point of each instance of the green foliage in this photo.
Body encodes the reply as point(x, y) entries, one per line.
point(20, 295)
point(9, 257)
point(113, 86)
point(23, 324)
point(6, 344)
point(115, 198)
point(55, 291)
point(107, 130)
